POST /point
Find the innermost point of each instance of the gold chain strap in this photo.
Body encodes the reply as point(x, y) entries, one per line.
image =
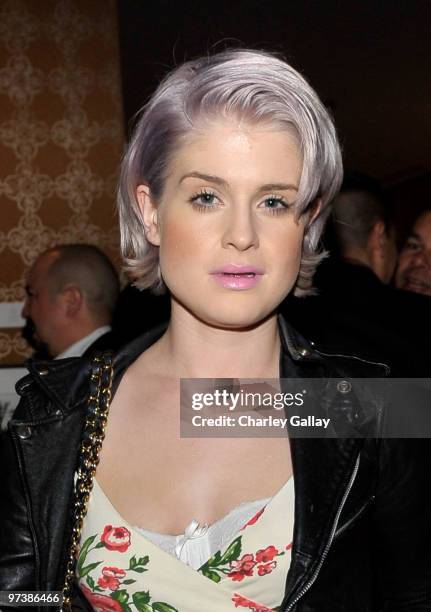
point(91, 444)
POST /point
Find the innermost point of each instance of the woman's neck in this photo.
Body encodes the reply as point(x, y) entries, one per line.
point(193, 349)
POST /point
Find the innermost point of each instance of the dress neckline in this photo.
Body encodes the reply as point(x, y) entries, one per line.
point(136, 529)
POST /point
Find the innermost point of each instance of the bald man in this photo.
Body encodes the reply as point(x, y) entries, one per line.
point(414, 263)
point(71, 292)
point(364, 234)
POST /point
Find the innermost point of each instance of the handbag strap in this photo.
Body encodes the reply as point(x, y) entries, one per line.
point(91, 443)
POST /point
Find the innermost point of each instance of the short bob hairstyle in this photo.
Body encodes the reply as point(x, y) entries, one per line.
point(253, 87)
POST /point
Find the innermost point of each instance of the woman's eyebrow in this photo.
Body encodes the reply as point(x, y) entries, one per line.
point(278, 187)
point(219, 181)
point(205, 177)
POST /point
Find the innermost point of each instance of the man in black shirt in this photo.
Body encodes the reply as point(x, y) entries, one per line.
point(357, 311)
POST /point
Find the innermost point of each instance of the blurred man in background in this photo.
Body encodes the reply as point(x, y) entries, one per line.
point(365, 237)
point(72, 292)
point(357, 312)
point(414, 264)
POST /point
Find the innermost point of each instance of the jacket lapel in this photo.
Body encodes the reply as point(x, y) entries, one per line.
point(323, 469)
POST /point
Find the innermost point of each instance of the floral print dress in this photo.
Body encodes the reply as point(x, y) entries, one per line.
point(119, 570)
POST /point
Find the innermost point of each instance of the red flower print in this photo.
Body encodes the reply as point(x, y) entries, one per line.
point(289, 546)
point(266, 568)
point(243, 602)
point(263, 556)
point(110, 577)
point(116, 538)
point(114, 571)
point(242, 567)
point(108, 582)
point(254, 518)
point(101, 603)
point(239, 600)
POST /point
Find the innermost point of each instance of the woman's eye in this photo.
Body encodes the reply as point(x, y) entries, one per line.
point(275, 204)
point(204, 199)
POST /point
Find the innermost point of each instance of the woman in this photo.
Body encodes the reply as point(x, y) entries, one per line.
point(223, 195)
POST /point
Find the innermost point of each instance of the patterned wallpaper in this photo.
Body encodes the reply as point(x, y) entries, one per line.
point(61, 136)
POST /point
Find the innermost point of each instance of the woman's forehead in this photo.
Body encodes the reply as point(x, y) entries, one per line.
point(226, 149)
point(218, 124)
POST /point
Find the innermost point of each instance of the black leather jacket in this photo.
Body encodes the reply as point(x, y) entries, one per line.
point(362, 536)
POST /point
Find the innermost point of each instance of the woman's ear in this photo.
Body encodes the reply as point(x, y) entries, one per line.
point(149, 214)
point(315, 210)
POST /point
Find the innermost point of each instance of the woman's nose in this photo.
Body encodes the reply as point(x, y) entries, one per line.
point(240, 231)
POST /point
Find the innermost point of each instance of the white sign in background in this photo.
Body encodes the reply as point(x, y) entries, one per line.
point(10, 314)
point(8, 396)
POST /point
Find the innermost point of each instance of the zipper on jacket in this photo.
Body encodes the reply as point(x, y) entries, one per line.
point(355, 517)
point(330, 540)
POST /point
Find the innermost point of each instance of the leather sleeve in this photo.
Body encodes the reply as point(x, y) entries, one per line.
point(403, 525)
point(17, 552)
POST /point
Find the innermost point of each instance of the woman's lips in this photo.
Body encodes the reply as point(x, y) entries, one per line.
point(237, 277)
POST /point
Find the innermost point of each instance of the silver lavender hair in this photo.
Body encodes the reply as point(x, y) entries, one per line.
point(254, 87)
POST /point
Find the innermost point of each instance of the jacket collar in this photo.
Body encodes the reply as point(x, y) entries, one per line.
point(51, 375)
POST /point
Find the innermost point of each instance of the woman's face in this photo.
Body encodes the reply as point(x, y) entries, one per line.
point(230, 246)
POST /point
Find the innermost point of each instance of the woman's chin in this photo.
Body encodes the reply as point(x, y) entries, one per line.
point(232, 319)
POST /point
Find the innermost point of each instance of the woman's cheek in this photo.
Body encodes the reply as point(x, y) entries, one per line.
point(181, 248)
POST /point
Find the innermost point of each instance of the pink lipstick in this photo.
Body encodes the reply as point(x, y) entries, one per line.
point(238, 277)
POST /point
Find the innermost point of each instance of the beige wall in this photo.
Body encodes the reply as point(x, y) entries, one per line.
point(60, 136)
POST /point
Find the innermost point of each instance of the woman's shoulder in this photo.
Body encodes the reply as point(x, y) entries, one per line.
point(51, 386)
point(317, 360)
point(351, 364)
point(64, 384)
